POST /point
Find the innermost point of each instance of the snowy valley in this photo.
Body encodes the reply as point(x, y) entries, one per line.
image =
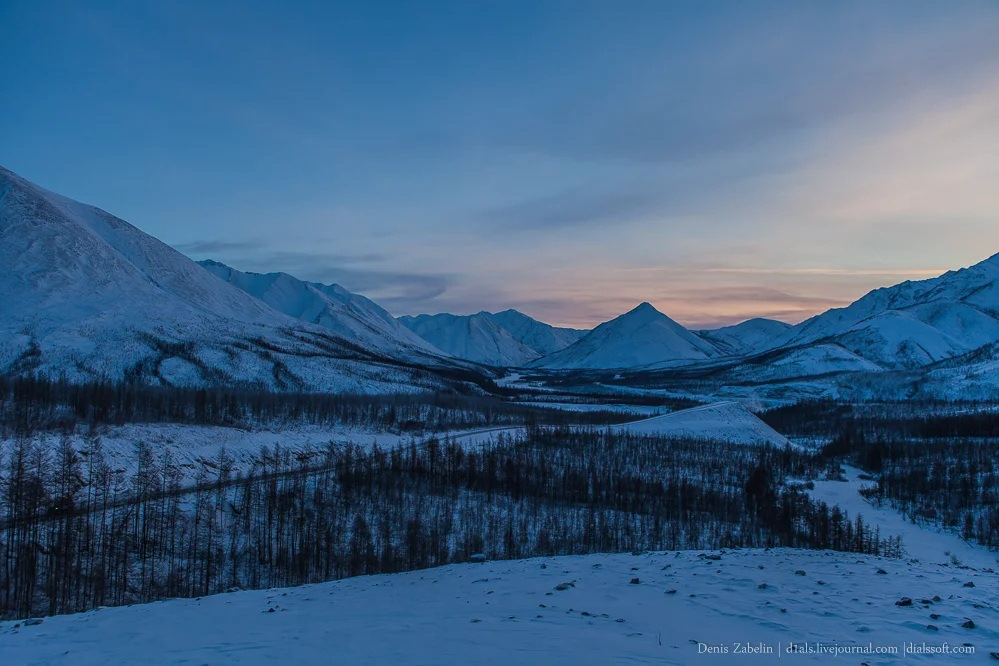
point(266, 466)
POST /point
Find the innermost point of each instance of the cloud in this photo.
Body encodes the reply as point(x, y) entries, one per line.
point(203, 247)
point(749, 270)
point(768, 78)
point(571, 209)
point(260, 252)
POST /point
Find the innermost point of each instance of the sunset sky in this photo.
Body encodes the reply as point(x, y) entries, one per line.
point(568, 159)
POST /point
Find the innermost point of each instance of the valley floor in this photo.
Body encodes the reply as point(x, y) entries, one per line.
point(686, 607)
point(662, 608)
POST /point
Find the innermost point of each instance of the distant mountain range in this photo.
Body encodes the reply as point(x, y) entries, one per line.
point(85, 295)
point(640, 337)
point(350, 315)
point(507, 338)
point(912, 324)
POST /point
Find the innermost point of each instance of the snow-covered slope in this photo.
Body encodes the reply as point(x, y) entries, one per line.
point(750, 336)
point(329, 305)
point(914, 323)
point(539, 336)
point(86, 295)
point(561, 610)
point(640, 337)
point(507, 338)
point(720, 421)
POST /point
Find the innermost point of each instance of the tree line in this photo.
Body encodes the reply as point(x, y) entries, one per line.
point(935, 461)
point(77, 534)
point(950, 482)
point(914, 419)
point(31, 403)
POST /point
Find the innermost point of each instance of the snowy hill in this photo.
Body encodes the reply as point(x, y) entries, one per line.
point(507, 338)
point(328, 305)
point(556, 610)
point(721, 421)
point(640, 337)
point(914, 323)
point(750, 336)
point(84, 294)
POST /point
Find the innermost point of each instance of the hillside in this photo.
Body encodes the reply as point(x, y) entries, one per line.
point(720, 421)
point(561, 610)
point(85, 295)
point(350, 315)
point(508, 338)
point(475, 338)
point(640, 337)
point(914, 323)
point(749, 336)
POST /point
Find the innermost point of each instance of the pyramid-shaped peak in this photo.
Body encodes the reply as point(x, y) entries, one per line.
point(643, 313)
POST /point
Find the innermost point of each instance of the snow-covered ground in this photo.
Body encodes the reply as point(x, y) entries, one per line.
point(683, 608)
point(192, 447)
point(721, 421)
point(651, 410)
point(515, 612)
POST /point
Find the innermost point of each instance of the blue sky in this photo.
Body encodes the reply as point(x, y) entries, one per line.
point(569, 159)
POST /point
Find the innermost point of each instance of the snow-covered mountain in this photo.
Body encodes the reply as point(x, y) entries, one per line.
point(640, 337)
point(507, 338)
point(912, 326)
point(473, 337)
point(84, 294)
point(351, 315)
point(745, 338)
point(913, 323)
point(539, 336)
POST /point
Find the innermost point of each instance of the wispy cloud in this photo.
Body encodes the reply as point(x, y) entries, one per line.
point(202, 247)
point(572, 208)
point(747, 270)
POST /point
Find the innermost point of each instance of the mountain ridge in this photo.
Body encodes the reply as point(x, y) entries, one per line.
point(85, 295)
point(641, 336)
point(328, 305)
point(913, 323)
point(483, 337)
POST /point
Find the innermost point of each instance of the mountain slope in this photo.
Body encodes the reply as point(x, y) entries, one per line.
point(913, 323)
point(475, 338)
point(539, 336)
point(749, 336)
point(507, 338)
point(640, 337)
point(85, 295)
point(328, 305)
